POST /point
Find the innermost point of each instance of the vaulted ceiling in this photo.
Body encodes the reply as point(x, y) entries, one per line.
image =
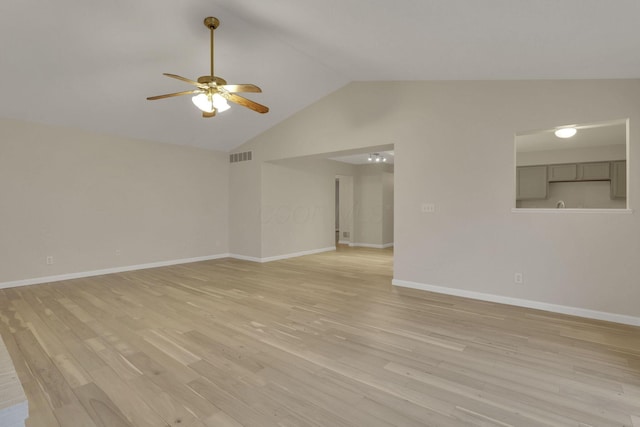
point(91, 64)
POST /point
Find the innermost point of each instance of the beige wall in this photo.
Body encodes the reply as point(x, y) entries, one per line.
point(245, 195)
point(346, 207)
point(454, 148)
point(298, 205)
point(373, 213)
point(96, 202)
point(387, 208)
point(368, 208)
point(576, 155)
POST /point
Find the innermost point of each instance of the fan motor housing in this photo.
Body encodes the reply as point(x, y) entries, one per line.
point(212, 79)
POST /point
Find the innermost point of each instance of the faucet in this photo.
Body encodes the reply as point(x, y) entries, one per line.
point(560, 204)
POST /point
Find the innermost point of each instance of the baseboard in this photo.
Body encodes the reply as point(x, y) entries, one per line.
point(344, 242)
point(370, 245)
point(284, 256)
point(555, 308)
point(297, 254)
point(79, 275)
point(245, 258)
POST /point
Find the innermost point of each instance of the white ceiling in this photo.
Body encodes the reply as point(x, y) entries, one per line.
point(588, 135)
point(363, 158)
point(91, 64)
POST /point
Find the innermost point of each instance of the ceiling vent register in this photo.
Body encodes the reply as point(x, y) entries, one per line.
point(240, 157)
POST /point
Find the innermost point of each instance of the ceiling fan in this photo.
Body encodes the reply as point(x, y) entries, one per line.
point(213, 92)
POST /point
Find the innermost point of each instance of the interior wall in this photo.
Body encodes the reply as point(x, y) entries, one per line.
point(454, 148)
point(94, 202)
point(373, 212)
point(368, 208)
point(298, 205)
point(346, 207)
point(245, 204)
point(579, 155)
point(337, 210)
point(387, 208)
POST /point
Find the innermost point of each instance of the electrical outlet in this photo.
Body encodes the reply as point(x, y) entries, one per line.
point(517, 278)
point(49, 260)
point(118, 252)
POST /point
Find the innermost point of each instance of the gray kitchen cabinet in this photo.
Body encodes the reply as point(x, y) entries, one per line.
point(594, 171)
point(619, 180)
point(563, 172)
point(531, 182)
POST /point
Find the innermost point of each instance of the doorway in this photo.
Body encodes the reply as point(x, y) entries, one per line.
point(344, 209)
point(364, 199)
point(337, 210)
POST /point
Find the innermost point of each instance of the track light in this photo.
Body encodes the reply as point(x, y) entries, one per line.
point(377, 158)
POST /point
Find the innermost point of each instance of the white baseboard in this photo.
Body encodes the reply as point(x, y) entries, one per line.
point(245, 258)
point(297, 254)
point(79, 275)
point(69, 276)
point(555, 308)
point(370, 245)
point(344, 242)
point(279, 257)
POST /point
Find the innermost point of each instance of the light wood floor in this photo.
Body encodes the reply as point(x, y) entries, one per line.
point(322, 340)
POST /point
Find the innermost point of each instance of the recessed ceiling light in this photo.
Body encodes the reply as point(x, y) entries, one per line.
point(566, 132)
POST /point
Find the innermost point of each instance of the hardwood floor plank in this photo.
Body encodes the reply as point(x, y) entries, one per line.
point(73, 373)
point(55, 387)
point(100, 408)
point(125, 398)
point(234, 407)
point(40, 411)
point(74, 415)
point(164, 404)
point(175, 386)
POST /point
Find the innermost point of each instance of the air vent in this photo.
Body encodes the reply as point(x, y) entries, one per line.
point(240, 157)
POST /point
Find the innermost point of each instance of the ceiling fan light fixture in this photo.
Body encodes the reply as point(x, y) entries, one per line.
point(566, 132)
point(203, 102)
point(213, 92)
point(209, 103)
point(220, 103)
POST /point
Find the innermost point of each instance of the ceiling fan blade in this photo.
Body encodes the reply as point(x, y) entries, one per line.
point(242, 88)
point(184, 79)
point(246, 103)
point(169, 95)
point(211, 114)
